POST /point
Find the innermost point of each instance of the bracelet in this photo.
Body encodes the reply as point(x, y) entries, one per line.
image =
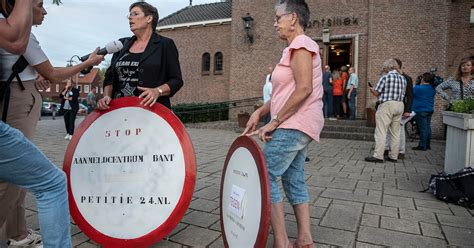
point(160, 91)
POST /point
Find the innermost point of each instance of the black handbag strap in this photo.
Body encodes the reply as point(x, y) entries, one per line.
point(461, 84)
point(17, 68)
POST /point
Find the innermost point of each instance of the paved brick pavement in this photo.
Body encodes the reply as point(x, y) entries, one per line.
point(354, 203)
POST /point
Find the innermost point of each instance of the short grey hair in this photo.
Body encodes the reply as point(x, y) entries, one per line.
point(299, 7)
point(391, 64)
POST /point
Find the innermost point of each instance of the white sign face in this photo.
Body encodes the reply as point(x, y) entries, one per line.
point(127, 173)
point(242, 200)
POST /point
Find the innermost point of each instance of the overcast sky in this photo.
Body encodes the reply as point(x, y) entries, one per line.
point(77, 27)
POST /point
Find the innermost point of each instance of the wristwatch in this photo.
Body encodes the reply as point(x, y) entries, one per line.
point(160, 91)
point(276, 119)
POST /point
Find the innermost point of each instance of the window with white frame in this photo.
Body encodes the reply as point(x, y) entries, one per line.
point(57, 88)
point(86, 88)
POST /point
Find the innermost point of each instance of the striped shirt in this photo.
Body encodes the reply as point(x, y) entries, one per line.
point(455, 87)
point(391, 87)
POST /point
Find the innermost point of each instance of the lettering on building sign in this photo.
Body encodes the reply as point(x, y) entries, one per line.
point(334, 21)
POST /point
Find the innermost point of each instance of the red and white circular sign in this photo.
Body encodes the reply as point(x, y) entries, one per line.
point(131, 174)
point(245, 196)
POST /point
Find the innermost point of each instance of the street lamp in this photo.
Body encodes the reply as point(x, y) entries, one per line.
point(248, 22)
point(69, 64)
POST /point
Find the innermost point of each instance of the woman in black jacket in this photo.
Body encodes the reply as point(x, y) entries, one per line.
point(147, 66)
point(69, 105)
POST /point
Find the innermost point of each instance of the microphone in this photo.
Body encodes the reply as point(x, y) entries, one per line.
point(111, 47)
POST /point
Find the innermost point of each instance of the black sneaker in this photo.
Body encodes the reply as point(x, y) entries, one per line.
point(307, 159)
point(391, 160)
point(373, 160)
point(418, 148)
point(401, 156)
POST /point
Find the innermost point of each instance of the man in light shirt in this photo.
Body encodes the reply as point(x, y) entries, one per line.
point(267, 91)
point(352, 85)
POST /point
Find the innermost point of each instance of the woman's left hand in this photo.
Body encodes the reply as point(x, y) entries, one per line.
point(149, 95)
point(264, 133)
point(42, 84)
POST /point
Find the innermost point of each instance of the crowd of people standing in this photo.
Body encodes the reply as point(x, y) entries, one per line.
point(340, 91)
point(398, 99)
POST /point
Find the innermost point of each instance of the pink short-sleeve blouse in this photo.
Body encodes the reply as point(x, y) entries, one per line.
point(309, 118)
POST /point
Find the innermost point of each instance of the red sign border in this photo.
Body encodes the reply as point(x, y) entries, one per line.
point(188, 187)
point(254, 149)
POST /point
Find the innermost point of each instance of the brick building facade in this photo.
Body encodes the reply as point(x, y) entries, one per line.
point(423, 34)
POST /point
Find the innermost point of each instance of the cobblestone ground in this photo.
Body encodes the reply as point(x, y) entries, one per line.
point(354, 203)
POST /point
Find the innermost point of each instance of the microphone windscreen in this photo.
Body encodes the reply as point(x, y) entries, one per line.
point(114, 46)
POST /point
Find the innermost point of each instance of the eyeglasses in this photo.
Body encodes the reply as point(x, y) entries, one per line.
point(277, 17)
point(133, 14)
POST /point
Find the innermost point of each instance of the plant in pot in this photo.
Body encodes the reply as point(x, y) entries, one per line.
point(459, 136)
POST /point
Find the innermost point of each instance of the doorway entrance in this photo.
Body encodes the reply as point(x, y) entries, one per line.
point(338, 53)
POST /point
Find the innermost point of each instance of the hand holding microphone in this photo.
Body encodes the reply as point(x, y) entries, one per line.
point(94, 58)
point(111, 47)
point(97, 56)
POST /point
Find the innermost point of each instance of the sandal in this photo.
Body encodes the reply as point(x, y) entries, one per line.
point(297, 245)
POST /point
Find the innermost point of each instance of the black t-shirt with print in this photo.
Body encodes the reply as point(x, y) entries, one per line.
point(126, 68)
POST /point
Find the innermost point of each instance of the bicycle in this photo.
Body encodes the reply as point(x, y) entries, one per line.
point(411, 130)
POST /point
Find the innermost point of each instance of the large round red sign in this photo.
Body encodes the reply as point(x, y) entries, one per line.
point(245, 196)
point(131, 174)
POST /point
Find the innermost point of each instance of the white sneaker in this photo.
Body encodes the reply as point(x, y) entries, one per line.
point(66, 137)
point(33, 240)
point(70, 137)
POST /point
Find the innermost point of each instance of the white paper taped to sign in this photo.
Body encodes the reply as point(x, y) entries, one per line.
point(237, 201)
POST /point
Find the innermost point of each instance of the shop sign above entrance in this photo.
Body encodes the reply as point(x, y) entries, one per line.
point(334, 21)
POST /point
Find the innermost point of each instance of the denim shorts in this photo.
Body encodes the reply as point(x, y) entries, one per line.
point(285, 155)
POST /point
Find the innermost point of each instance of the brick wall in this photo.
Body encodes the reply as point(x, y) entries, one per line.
point(192, 43)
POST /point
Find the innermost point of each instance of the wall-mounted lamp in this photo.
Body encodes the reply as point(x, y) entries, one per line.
point(248, 22)
point(325, 35)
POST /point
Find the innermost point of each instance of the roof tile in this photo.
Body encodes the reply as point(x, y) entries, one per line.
point(199, 13)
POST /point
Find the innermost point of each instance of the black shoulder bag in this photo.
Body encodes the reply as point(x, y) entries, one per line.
point(5, 91)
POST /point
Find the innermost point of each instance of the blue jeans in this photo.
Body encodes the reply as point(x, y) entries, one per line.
point(328, 103)
point(22, 164)
point(423, 121)
point(352, 104)
point(285, 155)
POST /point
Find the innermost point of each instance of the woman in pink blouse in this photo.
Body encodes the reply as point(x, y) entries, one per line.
point(297, 119)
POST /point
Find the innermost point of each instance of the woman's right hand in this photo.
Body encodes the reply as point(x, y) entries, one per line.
point(252, 124)
point(94, 58)
point(103, 104)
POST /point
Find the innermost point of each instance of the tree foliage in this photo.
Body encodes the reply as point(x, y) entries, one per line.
point(57, 2)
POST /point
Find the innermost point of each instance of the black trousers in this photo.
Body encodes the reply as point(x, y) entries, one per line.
point(69, 119)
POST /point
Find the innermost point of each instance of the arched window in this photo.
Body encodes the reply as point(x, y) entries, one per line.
point(218, 63)
point(206, 63)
